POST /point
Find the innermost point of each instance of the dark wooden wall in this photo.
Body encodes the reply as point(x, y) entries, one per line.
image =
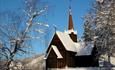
point(88, 60)
point(51, 61)
point(69, 59)
point(58, 63)
point(73, 37)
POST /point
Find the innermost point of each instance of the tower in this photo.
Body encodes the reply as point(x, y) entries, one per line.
point(72, 33)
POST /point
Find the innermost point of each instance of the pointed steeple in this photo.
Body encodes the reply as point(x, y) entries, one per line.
point(72, 33)
point(70, 24)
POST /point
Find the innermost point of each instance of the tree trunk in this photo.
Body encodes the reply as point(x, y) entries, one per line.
point(109, 58)
point(109, 62)
point(10, 60)
point(8, 65)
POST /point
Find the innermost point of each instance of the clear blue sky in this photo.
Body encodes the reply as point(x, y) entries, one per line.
point(57, 14)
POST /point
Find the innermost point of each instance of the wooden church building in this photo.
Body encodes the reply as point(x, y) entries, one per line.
point(65, 50)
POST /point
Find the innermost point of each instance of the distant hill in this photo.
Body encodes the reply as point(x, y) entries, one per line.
point(32, 63)
point(35, 63)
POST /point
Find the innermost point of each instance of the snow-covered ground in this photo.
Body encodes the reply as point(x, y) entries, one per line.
point(38, 63)
point(90, 68)
point(85, 68)
point(113, 60)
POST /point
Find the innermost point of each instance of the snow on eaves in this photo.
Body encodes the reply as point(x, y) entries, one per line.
point(82, 49)
point(78, 47)
point(66, 40)
point(70, 31)
point(55, 49)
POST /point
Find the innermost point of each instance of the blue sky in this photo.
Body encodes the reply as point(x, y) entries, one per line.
point(57, 15)
point(60, 13)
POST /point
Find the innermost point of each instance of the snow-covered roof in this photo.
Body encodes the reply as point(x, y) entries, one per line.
point(70, 31)
point(82, 49)
point(55, 50)
point(78, 47)
point(66, 40)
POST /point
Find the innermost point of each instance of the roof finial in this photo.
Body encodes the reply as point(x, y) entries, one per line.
point(70, 11)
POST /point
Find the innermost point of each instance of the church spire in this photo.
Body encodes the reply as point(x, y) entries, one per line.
point(71, 31)
point(70, 23)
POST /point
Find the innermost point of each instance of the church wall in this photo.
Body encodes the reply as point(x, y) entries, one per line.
point(88, 60)
point(52, 61)
point(70, 59)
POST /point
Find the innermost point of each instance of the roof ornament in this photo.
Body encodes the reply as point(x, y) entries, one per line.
point(70, 11)
point(55, 27)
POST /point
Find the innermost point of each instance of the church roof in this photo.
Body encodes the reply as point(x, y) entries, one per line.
point(78, 47)
point(55, 49)
point(82, 49)
point(67, 41)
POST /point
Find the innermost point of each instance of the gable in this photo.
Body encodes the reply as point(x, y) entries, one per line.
point(66, 41)
point(55, 49)
point(57, 42)
point(63, 40)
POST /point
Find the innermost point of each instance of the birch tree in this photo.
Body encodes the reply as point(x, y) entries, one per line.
point(17, 32)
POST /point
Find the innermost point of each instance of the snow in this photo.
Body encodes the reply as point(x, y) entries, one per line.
point(70, 31)
point(79, 68)
point(78, 47)
point(66, 40)
point(35, 61)
point(82, 49)
point(100, 1)
point(55, 50)
point(112, 60)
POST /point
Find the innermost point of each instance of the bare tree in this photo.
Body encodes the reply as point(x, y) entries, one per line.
point(17, 32)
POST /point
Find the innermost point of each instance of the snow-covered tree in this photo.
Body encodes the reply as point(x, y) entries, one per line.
point(88, 28)
point(103, 22)
point(16, 31)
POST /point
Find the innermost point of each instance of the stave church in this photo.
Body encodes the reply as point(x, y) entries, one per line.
point(66, 51)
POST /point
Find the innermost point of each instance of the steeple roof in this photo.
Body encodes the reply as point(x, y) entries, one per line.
point(71, 31)
point(70, 24)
